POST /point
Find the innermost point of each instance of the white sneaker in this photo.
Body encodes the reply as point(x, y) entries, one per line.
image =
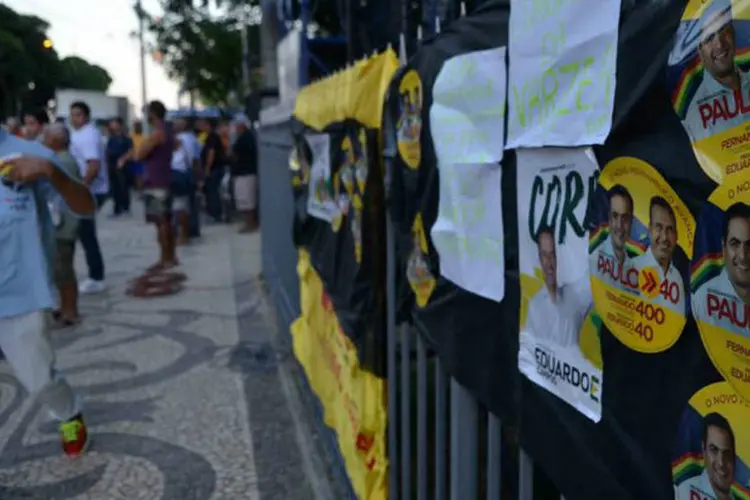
point(89, 286)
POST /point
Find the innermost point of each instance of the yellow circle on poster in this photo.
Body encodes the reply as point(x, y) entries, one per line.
point(418, 272)
point(638, 290)
point(711, 89)
point(721, 304)
point(713, 449)
point(409, 126)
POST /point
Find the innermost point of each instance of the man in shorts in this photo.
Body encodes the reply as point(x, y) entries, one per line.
point(245, 173)
point(30, 179)
point(56, 138)
point(156, 152)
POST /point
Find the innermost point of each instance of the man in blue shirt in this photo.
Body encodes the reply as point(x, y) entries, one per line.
point(119, 151)
point(30, 179)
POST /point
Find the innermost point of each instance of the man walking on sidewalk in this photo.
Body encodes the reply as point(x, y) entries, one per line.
point(86, 147)
point(29, 181)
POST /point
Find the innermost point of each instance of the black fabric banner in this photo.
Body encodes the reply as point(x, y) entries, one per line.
point(338, 151)
point(633, 451)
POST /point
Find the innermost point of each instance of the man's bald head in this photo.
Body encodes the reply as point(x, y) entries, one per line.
point(56, 137)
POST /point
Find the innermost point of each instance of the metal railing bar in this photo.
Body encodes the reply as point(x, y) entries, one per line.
point(441, 452)
point(405, 412)
point(525, 477)
point(494, 457)
point(421, 419)
point(463, 448)
point(392, 372)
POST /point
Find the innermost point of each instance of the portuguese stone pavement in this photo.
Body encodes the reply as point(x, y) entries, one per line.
point(194, 396)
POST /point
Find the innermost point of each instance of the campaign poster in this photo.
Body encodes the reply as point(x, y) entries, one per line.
point(712, 453)
point(409, 125)
point(421, 279)
point(639, 255)
point(320, 202)
point(720, 282)
point(554, 186)
point(710, 86)
point(349, 184)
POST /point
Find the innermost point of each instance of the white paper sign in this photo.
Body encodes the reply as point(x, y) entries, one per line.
point(468, 232)
point(320, 202)
point(467, 117)
point(559, 347)
point(562, 61)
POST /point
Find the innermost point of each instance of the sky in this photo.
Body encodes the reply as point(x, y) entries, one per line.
point(99, 31)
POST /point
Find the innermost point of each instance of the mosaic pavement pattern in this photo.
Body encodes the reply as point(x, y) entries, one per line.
point(186, 396)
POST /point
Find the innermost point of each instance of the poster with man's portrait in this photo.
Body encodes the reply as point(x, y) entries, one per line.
point(559, 345)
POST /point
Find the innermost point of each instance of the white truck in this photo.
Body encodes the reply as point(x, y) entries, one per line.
point(103, 107)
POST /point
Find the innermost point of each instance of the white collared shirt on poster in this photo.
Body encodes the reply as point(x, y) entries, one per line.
point(558, 322)
point(608, 250)
point(695, 488)
point(710, 89)
point(672, 276)
point(721, 287)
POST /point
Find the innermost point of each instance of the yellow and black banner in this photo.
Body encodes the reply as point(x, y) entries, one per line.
point(339, 228)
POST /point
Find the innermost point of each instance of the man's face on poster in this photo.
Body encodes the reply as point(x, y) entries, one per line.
point(717, 46)
point(662, 229)
point(719, 456)
point(548, 259)
point(737, 251)
point(620, 221)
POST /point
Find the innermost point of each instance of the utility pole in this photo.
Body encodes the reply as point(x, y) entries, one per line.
point(246, 89)
point(142, 42)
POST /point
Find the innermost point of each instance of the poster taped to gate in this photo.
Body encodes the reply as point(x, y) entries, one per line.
point(720, 282)
point(320, 202)
point(710, 86)
point(639, 256)
point(468, 130)
point(712, 454)
point(559, 344)
point(561, 79)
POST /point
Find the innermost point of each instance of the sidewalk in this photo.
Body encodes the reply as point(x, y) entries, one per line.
point(188, 397)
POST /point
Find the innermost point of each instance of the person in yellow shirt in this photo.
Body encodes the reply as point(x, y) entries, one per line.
point(136, 166)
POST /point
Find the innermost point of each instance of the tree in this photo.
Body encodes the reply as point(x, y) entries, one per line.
point(199, 50)
point(30, 69)
point(79, 74)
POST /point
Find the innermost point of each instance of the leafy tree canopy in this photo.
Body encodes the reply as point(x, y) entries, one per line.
point(199, 42)
point(30, 68)
point(76, 73)
point(200, 45)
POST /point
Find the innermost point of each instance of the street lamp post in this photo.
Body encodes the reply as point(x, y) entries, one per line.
point(141, 41)
point(246, 88)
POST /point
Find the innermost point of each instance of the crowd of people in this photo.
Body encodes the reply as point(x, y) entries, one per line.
point(57, 175)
